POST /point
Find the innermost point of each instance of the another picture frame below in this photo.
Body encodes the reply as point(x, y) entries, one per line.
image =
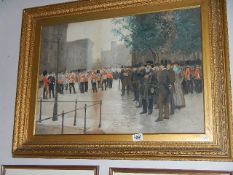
point(48, 170)
point(142, 171)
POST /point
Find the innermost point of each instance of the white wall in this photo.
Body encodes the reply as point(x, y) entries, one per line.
point(10, 28)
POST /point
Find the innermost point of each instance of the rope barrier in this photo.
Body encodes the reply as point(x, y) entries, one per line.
point(77, 109)
point(85, 107)
point(44, 119)
point(67, 101)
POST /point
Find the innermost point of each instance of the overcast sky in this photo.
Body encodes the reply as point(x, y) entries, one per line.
point(99, 31)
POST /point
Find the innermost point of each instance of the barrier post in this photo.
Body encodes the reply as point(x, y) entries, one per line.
point(100, 114)
point(62, 123)
point(40, 115)
point(85, 118)
point(75, 113)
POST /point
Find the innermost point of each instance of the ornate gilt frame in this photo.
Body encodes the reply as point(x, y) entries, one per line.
point(214, 144)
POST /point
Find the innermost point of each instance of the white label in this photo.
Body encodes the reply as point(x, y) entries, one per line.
point(137, 137)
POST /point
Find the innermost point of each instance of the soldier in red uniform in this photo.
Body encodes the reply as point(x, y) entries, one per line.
point(104, 80)
point(45, 85)
point(188, 79)
point(109, 79)
point(81, 82)
point(197, 79)
point(94, 82)
point(72, 80)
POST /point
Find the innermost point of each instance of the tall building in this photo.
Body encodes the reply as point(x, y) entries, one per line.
point(53, 48)
point(117, 56)
point(56, 52)
point(79, 55)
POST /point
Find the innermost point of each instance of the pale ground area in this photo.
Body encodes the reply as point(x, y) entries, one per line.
point(119, 115)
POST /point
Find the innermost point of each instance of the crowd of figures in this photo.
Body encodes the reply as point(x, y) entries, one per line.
point(161, 86)
point(153, 86)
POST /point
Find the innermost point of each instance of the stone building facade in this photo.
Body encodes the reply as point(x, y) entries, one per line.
point(79, 55)
point(53, 48)
point(56, 52)
point(117, 56)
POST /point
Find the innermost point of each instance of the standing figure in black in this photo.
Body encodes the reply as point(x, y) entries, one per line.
point(164, 92)
point(140, 76)
point(172, 80)
point(125, 81)
point(148, 90)
point(135, 84)
point(51, 79)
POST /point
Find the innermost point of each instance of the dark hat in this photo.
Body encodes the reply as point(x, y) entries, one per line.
point(149, 62)
point(198, 61)
point(187, 62)
point(169, 62)
point(45, 72)
point(164, 62)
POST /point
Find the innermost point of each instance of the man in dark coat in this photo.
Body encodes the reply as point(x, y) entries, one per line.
point(125, 80)
point(164, 92)
point(140, 76)
point(51, 79)
point(149, 90)
point(172, 80)
point(135, 84)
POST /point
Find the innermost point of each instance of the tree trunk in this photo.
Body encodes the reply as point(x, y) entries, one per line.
point(155, 56)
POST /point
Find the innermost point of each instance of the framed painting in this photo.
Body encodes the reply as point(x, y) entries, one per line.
point(128, 171)
point(48, 170)
point(124, 80)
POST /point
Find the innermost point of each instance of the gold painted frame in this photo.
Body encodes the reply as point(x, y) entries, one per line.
point(213, 144)
point(51, 169)
point(139, 171)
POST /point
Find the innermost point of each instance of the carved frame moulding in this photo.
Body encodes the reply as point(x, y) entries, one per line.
point(213, 142)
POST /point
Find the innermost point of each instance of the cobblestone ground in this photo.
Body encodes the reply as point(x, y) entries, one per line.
point(119, 115)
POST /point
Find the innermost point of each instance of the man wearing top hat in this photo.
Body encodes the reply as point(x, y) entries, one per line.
point(164, 92)
point(135, 83)
point(171, 74)
point(140, 76)
point(125, 80)
point(149, 89)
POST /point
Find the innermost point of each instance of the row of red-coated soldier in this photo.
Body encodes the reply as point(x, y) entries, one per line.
point(102, 79)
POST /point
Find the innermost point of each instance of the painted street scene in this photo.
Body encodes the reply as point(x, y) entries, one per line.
point(133, 74)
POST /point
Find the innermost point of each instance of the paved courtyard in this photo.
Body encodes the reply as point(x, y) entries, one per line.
point(118, 114)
